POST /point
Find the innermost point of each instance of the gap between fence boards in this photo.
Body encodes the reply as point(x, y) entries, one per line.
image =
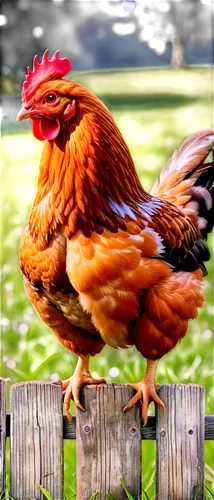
point(148, 432)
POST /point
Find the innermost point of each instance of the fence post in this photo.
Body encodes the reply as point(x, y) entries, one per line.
point(36, 440)
point(180, 443)
point(2, 432)
point(108, 443)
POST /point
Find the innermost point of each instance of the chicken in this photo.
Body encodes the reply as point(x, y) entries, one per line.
point(103, 261)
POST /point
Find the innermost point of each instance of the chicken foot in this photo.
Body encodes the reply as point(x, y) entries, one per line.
point(146, 390)
point(71, 387)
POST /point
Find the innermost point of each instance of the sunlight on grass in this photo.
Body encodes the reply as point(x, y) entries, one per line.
point(187, 81)
point(153, 127)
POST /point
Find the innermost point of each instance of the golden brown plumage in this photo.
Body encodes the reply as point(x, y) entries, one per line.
point(105, 262)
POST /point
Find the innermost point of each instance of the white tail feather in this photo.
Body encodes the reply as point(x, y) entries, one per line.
point(185, 160)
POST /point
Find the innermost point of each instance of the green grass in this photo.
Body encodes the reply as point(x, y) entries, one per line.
point(155, 111)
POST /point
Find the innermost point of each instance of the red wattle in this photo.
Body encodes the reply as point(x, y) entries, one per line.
point(35, 125)
point(50, 130)
point(44, 129)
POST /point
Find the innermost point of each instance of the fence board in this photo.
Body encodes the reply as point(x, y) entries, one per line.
point(36, 440)
point(108, 443)
point(180, 443)
point(2, 433)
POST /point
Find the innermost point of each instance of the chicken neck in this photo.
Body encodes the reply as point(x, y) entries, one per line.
point(87, 178)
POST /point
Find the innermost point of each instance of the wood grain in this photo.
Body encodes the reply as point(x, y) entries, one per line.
point(108, 443)
point(36, 440)
point(180, 443)
point(2, 433)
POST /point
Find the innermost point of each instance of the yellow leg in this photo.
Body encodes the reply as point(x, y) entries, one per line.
point(146, 390)
point(71, 387)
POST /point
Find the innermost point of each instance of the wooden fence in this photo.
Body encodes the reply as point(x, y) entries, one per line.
point(108, 442)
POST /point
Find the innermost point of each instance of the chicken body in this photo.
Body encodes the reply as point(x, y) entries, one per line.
point(103, 261)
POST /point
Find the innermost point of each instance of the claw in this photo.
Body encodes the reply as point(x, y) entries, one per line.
point(146, 391)
point(135, 398)
point(77, 402)
point(71, 387)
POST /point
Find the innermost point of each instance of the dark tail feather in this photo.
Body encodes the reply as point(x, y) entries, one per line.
point(203, 193)
point(188, 180)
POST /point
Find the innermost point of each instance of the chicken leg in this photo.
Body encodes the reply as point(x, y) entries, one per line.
point(146, 390)
point(71, 387)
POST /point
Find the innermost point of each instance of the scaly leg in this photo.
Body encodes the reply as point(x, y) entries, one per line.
point(71, 387)
point(146, 390)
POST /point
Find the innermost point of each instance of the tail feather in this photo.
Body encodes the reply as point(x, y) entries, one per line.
point(188, 182)
point(203, 187)
point(184, 163)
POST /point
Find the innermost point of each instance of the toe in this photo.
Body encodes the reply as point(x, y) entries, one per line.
point(158, 401)
point(149, 396)
point(96, 381)
point(65, 384)
point(144, 411)
point(136, 386)
point(67, 399)
point(72, 386)
point(79, 405)
point(68, 415)
point(76, 397)
point(133, 401)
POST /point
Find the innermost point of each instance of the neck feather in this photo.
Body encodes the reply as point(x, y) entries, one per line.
point(87, 177)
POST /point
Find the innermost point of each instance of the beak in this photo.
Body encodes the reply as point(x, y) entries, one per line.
point(23, 113)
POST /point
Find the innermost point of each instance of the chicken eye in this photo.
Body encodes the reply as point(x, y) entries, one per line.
point(51, 98)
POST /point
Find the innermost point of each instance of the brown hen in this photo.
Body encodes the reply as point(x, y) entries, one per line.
point(105, 262)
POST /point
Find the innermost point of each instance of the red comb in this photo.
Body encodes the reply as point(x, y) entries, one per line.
point(48, 70)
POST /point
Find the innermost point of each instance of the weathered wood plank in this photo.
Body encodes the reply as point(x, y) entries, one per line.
point(36, 440)
point(108, 443)
point(148, 432)
point(2, 433)
point(180, 443)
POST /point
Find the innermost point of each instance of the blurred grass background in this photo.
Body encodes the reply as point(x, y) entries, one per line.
point(155, 110)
